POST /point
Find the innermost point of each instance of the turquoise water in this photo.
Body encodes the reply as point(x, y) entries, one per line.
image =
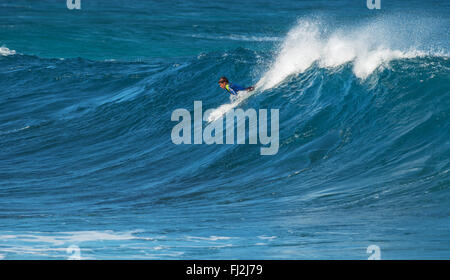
point(87, 160)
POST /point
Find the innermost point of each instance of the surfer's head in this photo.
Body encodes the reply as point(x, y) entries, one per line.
point(223, 82)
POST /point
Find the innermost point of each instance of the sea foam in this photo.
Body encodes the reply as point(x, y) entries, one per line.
point(5, 51)
point(368, 47)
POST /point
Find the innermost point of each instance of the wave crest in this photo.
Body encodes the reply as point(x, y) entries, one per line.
point(369, 47)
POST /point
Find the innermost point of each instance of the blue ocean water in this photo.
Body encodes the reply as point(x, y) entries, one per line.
point(88, 168)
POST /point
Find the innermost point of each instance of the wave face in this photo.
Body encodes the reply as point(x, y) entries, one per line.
point(87, 158)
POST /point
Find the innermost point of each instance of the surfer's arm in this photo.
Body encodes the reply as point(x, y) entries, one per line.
point(237, 88)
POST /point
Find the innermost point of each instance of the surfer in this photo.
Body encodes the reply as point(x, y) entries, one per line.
point(232, 88)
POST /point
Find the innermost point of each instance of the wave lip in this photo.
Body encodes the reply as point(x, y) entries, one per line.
point(369, 48)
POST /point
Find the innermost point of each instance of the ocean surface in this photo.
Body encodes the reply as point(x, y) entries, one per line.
point(88, 169)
